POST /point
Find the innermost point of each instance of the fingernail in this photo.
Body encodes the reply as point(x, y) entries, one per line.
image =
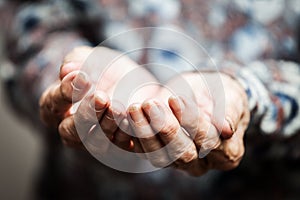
point(173, 97)
point(100, 101)
point(124, 125)
point(228, 128)
point(134, 112)
point(133, 108)
point(80, 81)
point(154, 111)
point(178, 102)
point(231, 124)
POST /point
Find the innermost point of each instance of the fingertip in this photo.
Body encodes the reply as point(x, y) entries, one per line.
point(176, 103)
point(228, 128)
point(173, 98)
point(80, 81)
point(134, 108)
point(74, 86)
point(149, 105)
point(134, 112)
point(177, 106)
point(226, 135)
point(117, 108)
point(154, 111)
point(67, 68)
point(101, 101)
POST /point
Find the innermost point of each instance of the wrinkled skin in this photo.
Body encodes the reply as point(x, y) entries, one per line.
point(154, 115)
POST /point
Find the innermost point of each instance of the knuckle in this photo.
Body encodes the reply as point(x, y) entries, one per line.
point(188, 156)
point(62, 129)
point(211, 143)
point(65, 92)
point(199, 137)
point(233, 159)
point(160, 162)
point(66, 130)
point(235, 153)
point(141, 123)
point(169, 130)
point(201, 133)
point(85, 115)
point(191, 127)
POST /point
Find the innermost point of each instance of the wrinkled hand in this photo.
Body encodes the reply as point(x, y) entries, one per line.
point(95, 111)
point(186, 126)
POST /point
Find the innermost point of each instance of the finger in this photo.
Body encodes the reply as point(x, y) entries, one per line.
point(68, 133)
point(78, 54)
point(69, 67)
point(74, 60)
point(57, 100)
point(122, 138)
point(112, 118)
point(84, 117)
point(89, 112)
point(229, 154)
point(235, 104)
point(187, 113)
point(96, 141)
point(179, 145)
point(71, 90)
point(147, 138)
point(203, 132)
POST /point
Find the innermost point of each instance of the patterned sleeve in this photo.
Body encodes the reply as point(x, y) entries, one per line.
point(37, 37)
point(273, 89)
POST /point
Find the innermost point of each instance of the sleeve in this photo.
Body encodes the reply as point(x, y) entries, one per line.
point(273, 90)
point(37, 37)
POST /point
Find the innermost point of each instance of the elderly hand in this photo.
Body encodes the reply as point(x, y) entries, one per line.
point(73, 86)
point(187, 126)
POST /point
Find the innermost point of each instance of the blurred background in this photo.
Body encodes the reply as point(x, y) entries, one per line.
point(20, 150)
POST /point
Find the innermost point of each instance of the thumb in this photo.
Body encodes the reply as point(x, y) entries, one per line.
point(236, 105)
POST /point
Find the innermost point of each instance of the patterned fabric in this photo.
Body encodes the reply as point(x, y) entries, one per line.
point(273, 93)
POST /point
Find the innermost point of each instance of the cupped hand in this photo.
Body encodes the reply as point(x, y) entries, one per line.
point(178, 133)
point(96, 112)
point(185, 134)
